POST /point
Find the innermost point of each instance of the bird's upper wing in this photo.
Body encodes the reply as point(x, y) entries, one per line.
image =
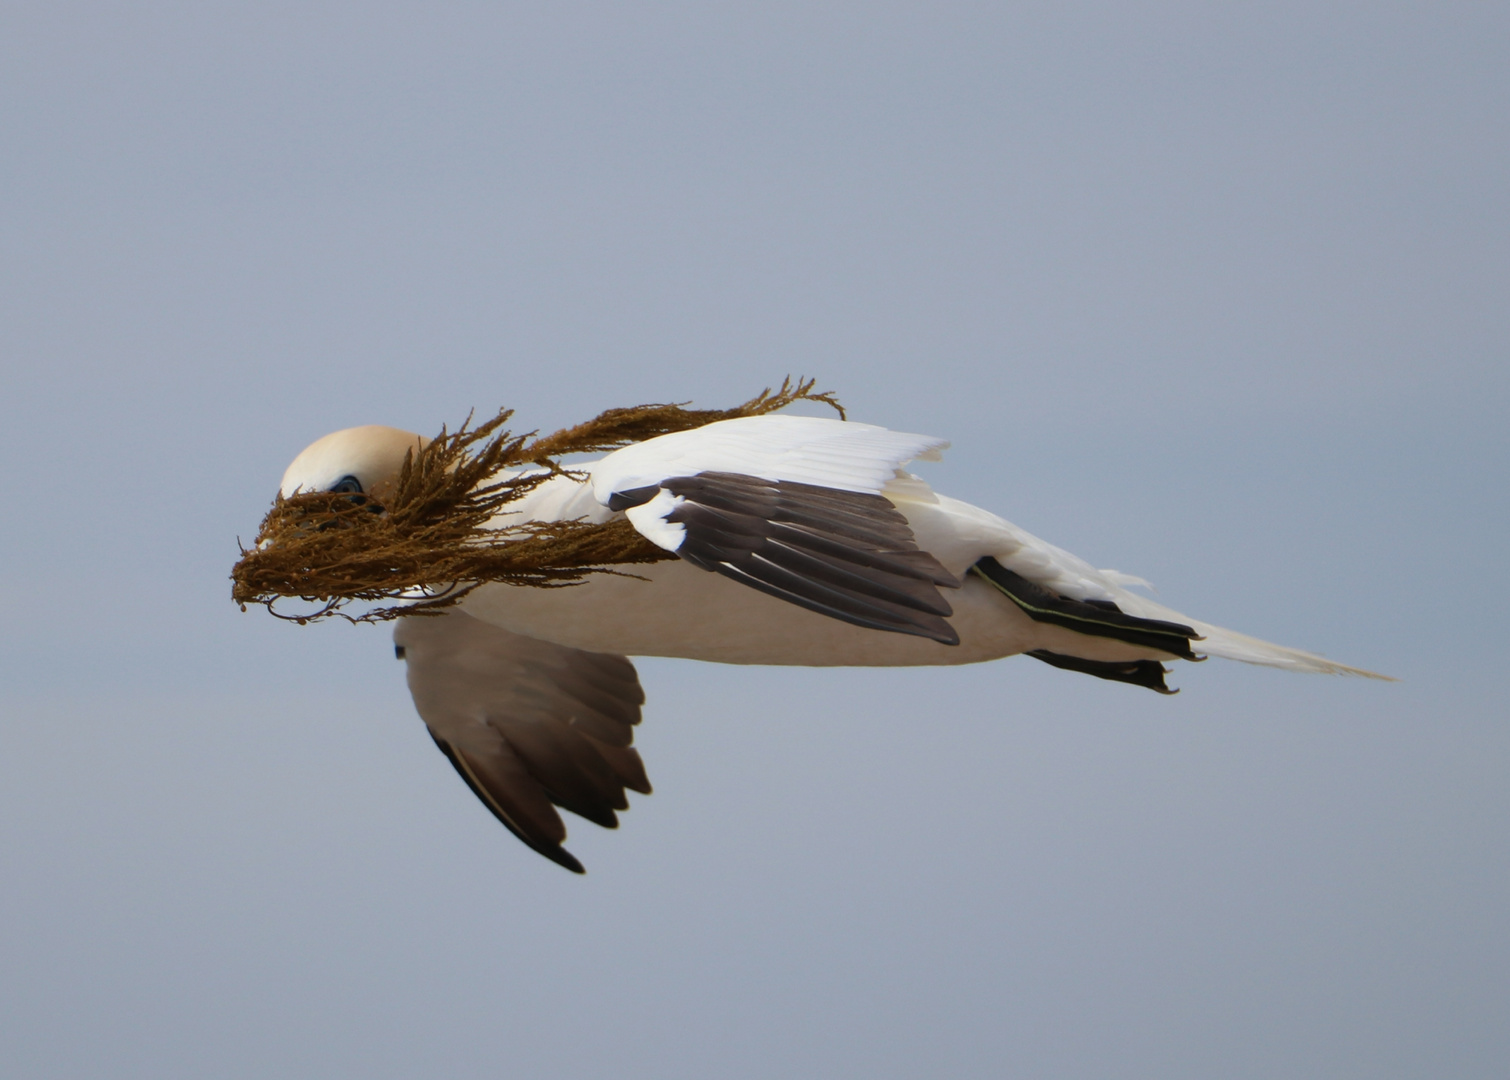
point(805, 449)
point(791, 506)
point(527, 723)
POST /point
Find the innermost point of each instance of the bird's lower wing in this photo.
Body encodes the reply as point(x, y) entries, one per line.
point(529, 725)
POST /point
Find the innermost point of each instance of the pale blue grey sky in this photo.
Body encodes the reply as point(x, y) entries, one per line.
point(1215, 294)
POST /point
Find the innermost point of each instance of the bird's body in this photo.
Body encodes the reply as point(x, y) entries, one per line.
point(801, 542)
point(677, 609)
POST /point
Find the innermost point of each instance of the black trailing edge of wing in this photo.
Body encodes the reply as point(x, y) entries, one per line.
point(1147, 673)
point(1097, 618)
point(848, 555)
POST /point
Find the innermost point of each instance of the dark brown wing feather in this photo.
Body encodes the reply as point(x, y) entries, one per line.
point(529, 725)
point(844, 554)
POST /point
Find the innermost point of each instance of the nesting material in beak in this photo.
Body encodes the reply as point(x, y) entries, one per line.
point(421, 543)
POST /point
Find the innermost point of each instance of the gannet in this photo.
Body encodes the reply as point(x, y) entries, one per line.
point(801, 540)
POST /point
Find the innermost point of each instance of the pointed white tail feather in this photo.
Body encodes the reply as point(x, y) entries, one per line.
point(1250, 650)
point(1230, 645)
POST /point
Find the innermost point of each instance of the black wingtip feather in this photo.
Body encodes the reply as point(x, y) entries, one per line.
point(554, 852)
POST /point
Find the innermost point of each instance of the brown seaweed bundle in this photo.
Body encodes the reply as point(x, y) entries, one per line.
point(422, 543)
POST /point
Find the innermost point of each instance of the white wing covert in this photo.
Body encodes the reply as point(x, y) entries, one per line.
point(803, 449)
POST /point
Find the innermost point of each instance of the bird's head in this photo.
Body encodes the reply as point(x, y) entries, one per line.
point(360, 460)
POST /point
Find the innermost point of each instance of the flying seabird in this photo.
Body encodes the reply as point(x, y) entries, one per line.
point(800, 540)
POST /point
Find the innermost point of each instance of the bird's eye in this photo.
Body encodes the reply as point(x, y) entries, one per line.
point(347, 485)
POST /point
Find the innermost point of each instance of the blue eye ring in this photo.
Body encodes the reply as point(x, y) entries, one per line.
point(347, 485)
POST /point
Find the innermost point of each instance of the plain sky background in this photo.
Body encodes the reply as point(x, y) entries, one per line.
point(1216, 294)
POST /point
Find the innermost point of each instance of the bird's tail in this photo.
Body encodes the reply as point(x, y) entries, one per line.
point(1230, 645)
